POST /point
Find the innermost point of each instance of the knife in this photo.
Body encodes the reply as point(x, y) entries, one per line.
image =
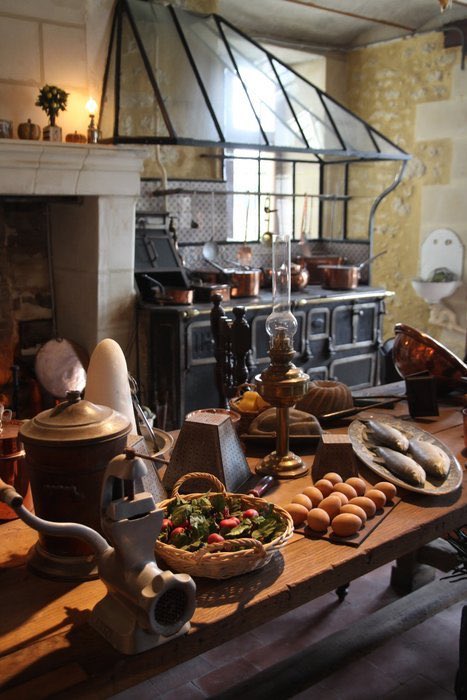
point(352, 411)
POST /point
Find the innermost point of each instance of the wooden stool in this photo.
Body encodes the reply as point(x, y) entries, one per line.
point(334, 454)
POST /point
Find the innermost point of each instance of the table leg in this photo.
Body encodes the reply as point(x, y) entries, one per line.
point(342, 591)
point(408, 574)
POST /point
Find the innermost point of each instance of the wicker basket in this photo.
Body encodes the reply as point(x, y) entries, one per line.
point(222, 559)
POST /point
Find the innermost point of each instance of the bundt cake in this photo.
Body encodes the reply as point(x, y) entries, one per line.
point(325, 396)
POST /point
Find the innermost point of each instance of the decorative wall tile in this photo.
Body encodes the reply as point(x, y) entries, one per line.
point(201, 213)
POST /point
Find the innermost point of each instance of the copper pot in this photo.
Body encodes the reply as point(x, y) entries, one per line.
point(312, 264)
point(344, 276)
point(169, 295)
point(244, 283)
point(12, 467)
point(204, 292)
point(175, 295)
point(67, 450)
point(299, 277)
point(340, 276)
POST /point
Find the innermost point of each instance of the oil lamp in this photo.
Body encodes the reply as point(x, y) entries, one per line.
point(282, 384)
point(93, 131)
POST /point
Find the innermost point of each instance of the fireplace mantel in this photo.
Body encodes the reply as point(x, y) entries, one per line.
point(91, 247)
point(64, 169)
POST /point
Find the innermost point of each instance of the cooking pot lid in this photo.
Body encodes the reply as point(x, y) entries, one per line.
point(75, 421)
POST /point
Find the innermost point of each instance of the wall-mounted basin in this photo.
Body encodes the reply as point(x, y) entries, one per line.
point(433, 292)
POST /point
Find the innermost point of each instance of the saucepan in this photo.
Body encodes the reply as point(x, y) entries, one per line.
point(344, 276)
point(169, 295)
point(244, 281)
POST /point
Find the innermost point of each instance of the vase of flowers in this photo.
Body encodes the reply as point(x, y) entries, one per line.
point(52, 100)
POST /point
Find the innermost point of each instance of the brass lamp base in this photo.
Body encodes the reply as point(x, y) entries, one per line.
point(288, 466)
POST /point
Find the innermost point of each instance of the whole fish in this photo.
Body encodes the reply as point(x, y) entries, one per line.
point(431, 457)
point(388, 436)
point(401, 465)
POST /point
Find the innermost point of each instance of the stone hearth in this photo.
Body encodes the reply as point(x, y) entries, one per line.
point(91, 193)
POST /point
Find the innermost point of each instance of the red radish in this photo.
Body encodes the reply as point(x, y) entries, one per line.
point(214, 537)
point(177, 531)
point(250, 513)
point(166, 524)
point(229, 523)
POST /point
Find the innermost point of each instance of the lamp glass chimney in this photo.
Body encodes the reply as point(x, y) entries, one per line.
point(281, 319)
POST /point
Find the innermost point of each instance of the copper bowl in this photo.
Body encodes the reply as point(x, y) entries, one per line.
point(414, 351)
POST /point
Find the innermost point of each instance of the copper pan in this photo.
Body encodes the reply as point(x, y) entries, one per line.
point(344, 276)
point(312, 264)
point(244, 283)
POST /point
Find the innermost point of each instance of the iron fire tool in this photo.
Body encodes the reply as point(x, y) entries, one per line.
point(144, 606)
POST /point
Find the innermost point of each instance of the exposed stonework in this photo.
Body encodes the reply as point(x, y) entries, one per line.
point(386, 84)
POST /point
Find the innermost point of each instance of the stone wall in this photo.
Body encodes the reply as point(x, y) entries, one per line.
point(414, 92)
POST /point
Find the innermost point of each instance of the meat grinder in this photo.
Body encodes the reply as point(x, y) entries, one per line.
point(144, 606)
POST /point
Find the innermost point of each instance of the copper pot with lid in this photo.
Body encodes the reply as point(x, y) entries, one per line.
point(67, 449)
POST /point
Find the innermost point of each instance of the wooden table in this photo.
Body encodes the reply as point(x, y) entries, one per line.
point(48, 650)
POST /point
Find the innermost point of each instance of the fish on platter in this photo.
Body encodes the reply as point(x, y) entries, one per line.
point(403, 466)
point(431, 457)
point(388, 436)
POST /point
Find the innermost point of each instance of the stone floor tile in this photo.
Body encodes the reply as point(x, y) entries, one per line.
point(142, 691)
point(234, 648)
point(185, 692)
point(179, 675)
point(419, 688)
point(316, 692)
point(359, 680)
point(225, 677)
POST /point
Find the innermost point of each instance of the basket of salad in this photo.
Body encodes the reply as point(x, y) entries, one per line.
point(219, 534)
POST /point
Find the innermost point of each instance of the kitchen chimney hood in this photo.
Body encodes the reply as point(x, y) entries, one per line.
point(177, 77)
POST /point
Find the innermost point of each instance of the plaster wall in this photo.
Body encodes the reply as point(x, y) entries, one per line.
point(66, 44)
point(414, 92)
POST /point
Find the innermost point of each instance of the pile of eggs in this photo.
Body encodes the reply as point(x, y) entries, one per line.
point(343, 505)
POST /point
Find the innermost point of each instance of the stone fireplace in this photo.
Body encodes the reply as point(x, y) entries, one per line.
point(89, 195)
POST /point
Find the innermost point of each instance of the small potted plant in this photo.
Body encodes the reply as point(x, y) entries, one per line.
point(52, 100)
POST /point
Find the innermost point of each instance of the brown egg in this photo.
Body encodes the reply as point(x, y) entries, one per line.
point(331, 504)
point(297, 512)
point(318, 520)
point(358, 484)
point(366, 503)
point(356, 510)
point(346, 489)
point(324, 486)
point(333, 477)
point(377, 497)
point(314, 494)
point(303, 500)
point(387, 488)
point(346, 524)
point(340, 495)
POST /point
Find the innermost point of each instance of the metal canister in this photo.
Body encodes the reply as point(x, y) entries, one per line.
point(67, 450)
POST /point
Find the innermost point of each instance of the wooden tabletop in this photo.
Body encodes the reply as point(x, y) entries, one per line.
point(47, 649)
